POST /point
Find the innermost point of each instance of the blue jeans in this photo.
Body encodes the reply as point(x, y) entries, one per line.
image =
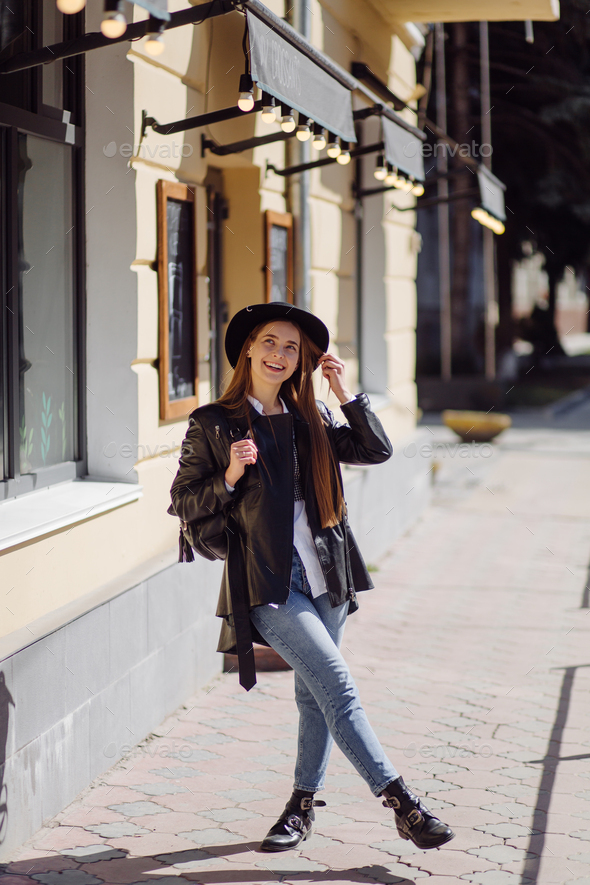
point(307, 633)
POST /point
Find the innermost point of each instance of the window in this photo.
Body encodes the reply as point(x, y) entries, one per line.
point(178, 359)
point(41, 265)
point(279, 256)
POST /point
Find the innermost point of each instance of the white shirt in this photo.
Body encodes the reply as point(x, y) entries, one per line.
point(302, 536)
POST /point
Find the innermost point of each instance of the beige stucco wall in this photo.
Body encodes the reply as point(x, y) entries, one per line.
point(73, 562)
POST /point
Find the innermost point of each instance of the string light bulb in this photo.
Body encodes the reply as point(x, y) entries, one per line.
point(334, 148)
point(319, 137)
point(287, 119)
point(269, 104)
point(303, 131)
point(488, 220)
point(246, 97)
point(343, 157)
point(418, 189)
point(154, 45)
point(380, 172)
point(114, 23)
point(70, 7)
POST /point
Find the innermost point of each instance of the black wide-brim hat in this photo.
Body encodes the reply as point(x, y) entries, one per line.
point(244, 321)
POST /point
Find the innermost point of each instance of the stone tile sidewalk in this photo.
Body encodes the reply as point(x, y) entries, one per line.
point(473, 659)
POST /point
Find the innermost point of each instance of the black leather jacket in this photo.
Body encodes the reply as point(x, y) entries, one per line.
point(260, 530)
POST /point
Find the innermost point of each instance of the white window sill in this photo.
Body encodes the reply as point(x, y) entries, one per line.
point(47, 510)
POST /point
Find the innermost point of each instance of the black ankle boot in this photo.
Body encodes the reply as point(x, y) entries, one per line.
point(294, 825)
point(413, 820)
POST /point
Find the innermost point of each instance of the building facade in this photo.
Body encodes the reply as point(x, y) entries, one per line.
point(126, 249)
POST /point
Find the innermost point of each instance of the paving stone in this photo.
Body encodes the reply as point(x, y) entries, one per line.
point(509, 809)
point(514, 791)
point(227, 722)
point(176, 772)
point(501, 853)
point(275, 759)
point(581, 834)
point(211, 836)
point(392, 874)
point(93, 853)
point(507, 831)
point(495, 877)
point(436, 767)
point(116, 829)
point(167, 880)
point(398, 847)
point(252, 795)
point(66, 877)
point(226, 815)
point(189, 861)
point(138, 809)
point(584, 794)
point(521, 773)
point(260, 777)
point(193, 756)
point(290, 864)
point(580, 858)
point(158, 789)
point(433, 785)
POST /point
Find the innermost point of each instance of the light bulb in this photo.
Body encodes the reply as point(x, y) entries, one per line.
point(303, 133)
point(268, 114)
point(246, 96)
point(380, 172)
point(400, 183)
point(287, 123)
point(319, 139)
point(113, 25)
point(488, 220)
point(69, 7)
point(154, 45)
point(246, 101)
point(334, 148)
point(418, 189)
point(343, 158)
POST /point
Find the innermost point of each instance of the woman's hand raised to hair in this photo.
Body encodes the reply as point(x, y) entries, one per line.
point(242, 453)
point(333, 370)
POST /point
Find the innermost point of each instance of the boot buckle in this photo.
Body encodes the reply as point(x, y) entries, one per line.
point(414, 817)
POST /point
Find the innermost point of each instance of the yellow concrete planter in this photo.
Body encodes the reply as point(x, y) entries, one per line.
point(476, 426)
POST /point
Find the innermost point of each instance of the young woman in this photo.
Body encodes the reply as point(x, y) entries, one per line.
point(267, 454)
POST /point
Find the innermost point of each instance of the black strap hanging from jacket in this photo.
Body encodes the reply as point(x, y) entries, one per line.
point(240, 608)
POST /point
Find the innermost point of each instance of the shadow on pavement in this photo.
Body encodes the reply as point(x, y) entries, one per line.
point(530, 872)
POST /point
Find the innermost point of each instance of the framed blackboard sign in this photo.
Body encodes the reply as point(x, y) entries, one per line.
point(178, 359)
point(279, 256)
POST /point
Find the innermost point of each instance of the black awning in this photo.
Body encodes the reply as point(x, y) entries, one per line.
point(491, 191)
point(293, 78)
point(157, 8)
point(403, 149)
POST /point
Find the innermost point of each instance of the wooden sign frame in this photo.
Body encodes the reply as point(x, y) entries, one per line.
point(173, 410)
point(278, 219)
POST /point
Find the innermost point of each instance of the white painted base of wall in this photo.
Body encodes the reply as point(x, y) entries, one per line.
point(75, 701)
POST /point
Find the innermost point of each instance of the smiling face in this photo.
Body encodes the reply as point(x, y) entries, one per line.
point(274, 355)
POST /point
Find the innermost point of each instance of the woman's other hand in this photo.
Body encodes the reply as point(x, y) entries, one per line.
point(242, 453)
point(333, 370)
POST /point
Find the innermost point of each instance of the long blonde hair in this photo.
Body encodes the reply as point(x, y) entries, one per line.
point(297, 391)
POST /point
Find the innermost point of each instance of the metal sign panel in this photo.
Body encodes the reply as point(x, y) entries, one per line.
point(491, 191)
point(295, 80)
point(403, 149)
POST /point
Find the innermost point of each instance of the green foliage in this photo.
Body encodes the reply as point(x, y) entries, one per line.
point(62, 414)
point(26, 446)
point(46, 418)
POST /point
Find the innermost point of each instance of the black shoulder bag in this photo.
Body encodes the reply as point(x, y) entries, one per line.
point(206, 536)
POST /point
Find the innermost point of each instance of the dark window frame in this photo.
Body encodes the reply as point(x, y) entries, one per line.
point(173, 410)
point(45, 122)
point(284, 220)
